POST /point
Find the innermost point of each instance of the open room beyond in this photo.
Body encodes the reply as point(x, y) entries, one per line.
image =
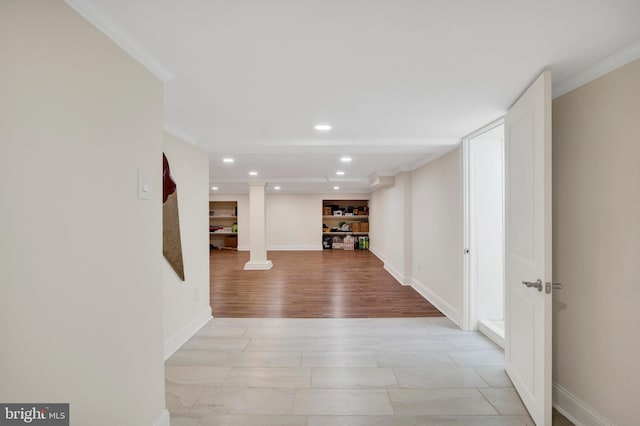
point(311, 284)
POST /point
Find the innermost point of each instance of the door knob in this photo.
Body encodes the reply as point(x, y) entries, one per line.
point(554, 286)
point(535, 284)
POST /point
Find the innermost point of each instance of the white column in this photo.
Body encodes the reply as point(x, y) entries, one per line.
point(257, 228)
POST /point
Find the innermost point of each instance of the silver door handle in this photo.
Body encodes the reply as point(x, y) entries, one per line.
point(549, 286)
point(536, 284)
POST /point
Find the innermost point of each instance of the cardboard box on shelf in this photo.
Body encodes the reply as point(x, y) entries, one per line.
point(231, 242)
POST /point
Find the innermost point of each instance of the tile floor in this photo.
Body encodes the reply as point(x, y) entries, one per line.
point(339, 372)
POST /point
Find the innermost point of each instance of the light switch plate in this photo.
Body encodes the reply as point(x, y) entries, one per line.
point(144, 191)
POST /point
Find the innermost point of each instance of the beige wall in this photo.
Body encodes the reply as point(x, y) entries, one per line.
point(390, 226)
point(81, 303)
point(596, 244)
point(416, 230)
point(437, 233)
point(186, 304)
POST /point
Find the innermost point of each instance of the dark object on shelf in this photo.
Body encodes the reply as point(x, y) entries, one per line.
point(326, 242)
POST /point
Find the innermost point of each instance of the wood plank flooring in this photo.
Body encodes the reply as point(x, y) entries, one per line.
point(311, 284)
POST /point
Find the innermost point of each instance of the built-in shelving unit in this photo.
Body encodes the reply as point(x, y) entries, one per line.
point(223, 224)
point(341, 218)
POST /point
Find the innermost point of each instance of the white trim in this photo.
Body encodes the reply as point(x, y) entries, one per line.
point(450, 312)
point(173, 343)
point(180, 134)
point(404, 280)
point(164, 419)
point(597, 70)
point(120, 37)
point(377, 254)
point(243, 248)
point(317, 247)
point(469, 299)
point(258, 266)
point(468, 291)
point(576, 410)
point(491, 331)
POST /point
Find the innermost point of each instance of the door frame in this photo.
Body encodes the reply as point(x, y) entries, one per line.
point(469, 286)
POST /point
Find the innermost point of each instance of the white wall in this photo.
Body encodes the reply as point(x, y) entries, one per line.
point(596, 244)
point(487, 230)
point(294, 222)
point(436, 194)
point(186, 303)
point(81, 302)
point(390, 225)
point(416, 230)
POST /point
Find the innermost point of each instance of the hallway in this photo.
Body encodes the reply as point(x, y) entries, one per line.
point(378, 371)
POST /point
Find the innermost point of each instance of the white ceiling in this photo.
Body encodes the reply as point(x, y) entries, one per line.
point(400, 81)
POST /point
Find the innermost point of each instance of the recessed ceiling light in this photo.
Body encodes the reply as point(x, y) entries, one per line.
point(336, 187)
point(228, 160)
point(345, 159)
point(215, 188)
point(253, 173)
point(340, 173)
point(322, 127)
point(276, 188)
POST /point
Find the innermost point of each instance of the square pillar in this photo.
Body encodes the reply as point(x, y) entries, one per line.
point(257, 228)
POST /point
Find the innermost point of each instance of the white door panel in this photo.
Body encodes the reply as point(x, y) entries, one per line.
point(528, 247)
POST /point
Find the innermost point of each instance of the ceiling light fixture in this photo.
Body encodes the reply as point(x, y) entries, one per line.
point(340, 173)
point(215, 188)
point(228, 160)
point(336, 187)
point(277, 188)
point(345, 159)
point(253, 173)
point(322, 127)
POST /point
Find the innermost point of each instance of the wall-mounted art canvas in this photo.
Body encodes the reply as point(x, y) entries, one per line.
point(171, 243)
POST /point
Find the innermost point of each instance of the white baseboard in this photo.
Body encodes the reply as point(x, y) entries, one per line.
point(173, 343)
point(401, 278)
point(243, 248)
point(576, 410)
point(397, 275)
point(258, 266)
point(444, 307)
point(164, 419)
point(492, 332)
point(376, 253)
point(316, 247)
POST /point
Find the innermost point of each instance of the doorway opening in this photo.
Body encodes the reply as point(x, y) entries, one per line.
point(485, 231)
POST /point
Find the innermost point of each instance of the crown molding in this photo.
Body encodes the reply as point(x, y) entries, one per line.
point(120, 37)
point(597, 70)
point(180, 134)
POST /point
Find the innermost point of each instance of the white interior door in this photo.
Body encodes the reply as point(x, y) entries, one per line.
point(528, 247)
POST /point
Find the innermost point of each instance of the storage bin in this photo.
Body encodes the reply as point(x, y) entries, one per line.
point(348, 242)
